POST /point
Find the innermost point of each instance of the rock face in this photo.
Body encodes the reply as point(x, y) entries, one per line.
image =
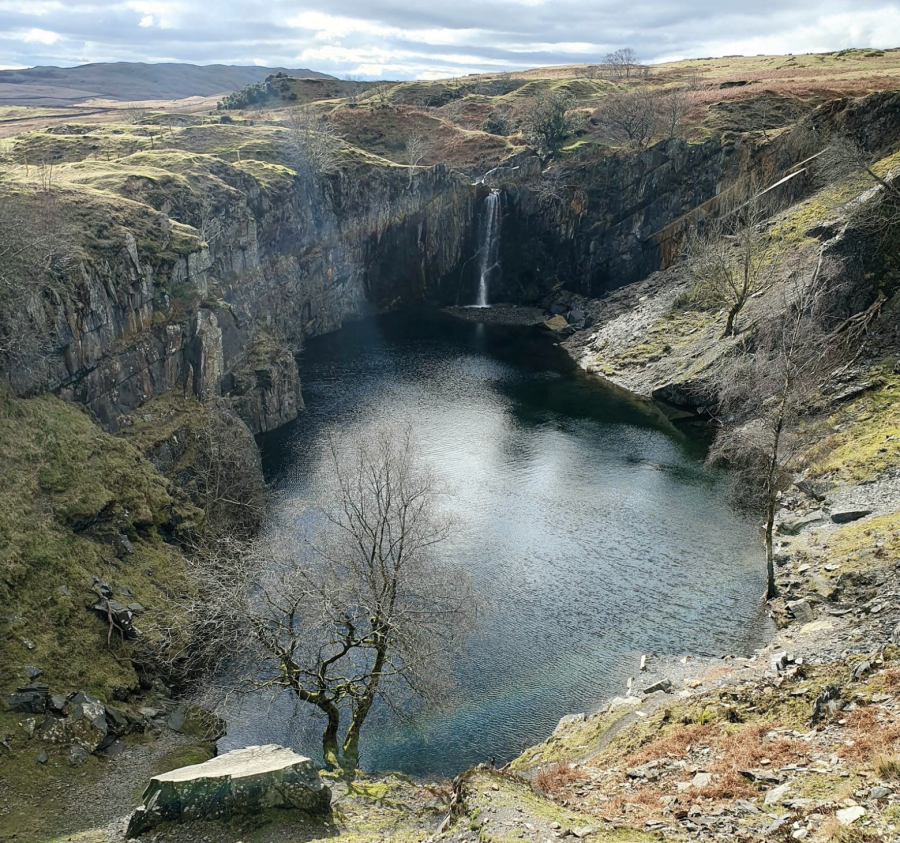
point(622, 217)
point(240, 782)
point(293, 258)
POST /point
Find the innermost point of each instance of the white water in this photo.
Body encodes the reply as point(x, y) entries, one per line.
point(489, 245)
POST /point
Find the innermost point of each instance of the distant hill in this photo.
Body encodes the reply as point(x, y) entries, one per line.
point(130, 81)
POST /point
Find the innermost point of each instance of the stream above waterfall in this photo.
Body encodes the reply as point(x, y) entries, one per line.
point(590, 525)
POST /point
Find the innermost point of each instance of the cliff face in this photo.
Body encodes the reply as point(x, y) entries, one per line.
point(218, 309)
point(205, 276)
point(599, 225)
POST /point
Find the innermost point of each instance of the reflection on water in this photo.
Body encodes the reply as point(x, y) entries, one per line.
point(589, 524)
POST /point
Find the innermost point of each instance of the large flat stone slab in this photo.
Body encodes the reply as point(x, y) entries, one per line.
point(243, 781)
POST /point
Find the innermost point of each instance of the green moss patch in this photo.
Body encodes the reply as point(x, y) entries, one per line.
point(866, 440)
point(76, 503)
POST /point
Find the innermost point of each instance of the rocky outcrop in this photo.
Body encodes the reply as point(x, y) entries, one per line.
point(598, 225)
point(240, 782)
point(166, 296)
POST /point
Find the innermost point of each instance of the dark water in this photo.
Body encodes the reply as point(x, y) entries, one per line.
point(589, 523)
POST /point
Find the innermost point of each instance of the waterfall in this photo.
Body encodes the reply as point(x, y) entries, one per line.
point(489, 245)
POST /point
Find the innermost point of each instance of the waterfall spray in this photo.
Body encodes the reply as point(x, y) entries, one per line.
point(489, 245)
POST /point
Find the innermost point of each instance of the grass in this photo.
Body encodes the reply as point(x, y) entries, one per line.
point(866, 437)
point(68, 487)
point(832, 201)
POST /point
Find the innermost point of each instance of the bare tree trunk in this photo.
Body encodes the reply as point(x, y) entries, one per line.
point(362, 707)
point(729, 323)
point(771, 588)
point(330, 746)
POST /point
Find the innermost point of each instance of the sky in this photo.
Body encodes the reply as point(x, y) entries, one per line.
point(407, 39)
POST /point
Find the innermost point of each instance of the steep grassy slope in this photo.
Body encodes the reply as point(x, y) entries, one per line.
point(75, 504)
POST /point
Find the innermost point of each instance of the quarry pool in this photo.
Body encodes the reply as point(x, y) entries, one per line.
point(591, 527)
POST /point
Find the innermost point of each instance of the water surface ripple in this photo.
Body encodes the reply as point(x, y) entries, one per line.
point(589, 524)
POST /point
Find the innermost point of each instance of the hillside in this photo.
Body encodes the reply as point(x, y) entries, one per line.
point(129, 81)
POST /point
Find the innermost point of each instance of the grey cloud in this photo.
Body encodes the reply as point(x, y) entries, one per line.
point(393, 40)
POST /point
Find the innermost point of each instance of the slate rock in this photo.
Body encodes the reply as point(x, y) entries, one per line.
point(664, 685)
point(239, 782)
point(30, 699)
point(77, 756)
point(848, 515)
point(848, 816)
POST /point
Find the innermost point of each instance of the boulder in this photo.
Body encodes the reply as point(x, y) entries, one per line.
point(848, 816)
point(29, 698)
point(801, 610)
point(116, 614)
point(243, 781)
point(849, 515)
point(793, 527)
point(86, 726)
point(557, 323)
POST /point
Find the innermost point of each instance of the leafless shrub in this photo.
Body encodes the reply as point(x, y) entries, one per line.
point(880, 214)
point(413, 152)
point(548, 121)
point(314, 143)
point(673, 105)
point(381, 95)
point(732, 258)
point(226, 477)
point(552, 188)
point(631, 117)
point(764, 393)
point(354, 87)
point(360, 609)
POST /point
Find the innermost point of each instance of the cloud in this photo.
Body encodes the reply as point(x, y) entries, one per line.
point(39, 36)
point(415, 39)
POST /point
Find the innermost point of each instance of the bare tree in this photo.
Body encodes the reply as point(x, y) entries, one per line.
point(368, 611)
point(845, 158)
point(765, 392)
point(381, 94)
point(732, 257)
point(548, 121)
point(314, 143)
point(631, 118)
point(673, 105)
point(622, 63)
point(354, 86)
point(413, 152)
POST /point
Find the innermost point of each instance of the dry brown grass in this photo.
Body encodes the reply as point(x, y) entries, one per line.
point(672, 745)
point(834, 832)
point(887, 767)
point(892, 680)
point(557, 777)
point(744, 749)
point(868, 737)
point(637, 806)
point(732, 751)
